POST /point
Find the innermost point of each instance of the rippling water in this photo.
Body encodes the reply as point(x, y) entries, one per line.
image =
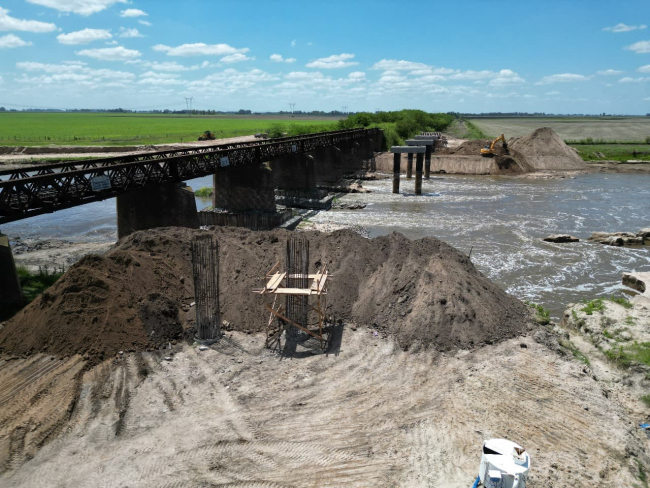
point(503, 220)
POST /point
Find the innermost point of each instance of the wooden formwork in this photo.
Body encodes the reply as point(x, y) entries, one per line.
point(316, 293)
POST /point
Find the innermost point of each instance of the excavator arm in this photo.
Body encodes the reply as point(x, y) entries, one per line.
point(489, 151)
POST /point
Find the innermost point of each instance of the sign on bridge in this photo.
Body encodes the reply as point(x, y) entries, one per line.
point(99, 183)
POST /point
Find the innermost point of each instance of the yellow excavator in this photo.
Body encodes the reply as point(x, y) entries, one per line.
point(488, 151)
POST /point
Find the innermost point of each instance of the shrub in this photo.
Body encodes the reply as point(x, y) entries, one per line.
point(596, 305)
point(204, 192)
point(621, 301)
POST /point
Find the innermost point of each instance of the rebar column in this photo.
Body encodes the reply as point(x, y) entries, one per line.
point(409, 166)
point(419, 162)
point(396, 161)
point(427, 162)
point(205, 267)
point(297, 277)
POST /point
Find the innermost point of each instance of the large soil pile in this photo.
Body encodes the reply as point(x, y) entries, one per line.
point(544, 150)
point(139, 294)
point(540, 150)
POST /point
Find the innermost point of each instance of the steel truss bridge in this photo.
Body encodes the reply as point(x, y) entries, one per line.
point(46, 188)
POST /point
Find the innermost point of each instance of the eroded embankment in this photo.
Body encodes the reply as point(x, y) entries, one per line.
point(138, 295)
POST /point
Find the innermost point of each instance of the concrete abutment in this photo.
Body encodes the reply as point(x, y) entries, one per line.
point(11, 296)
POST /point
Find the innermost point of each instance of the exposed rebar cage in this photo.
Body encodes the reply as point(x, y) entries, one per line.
point(305, 299)
point(205, 267)
point(297, 306)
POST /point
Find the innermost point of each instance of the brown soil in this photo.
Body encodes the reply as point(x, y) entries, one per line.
point(422, 292)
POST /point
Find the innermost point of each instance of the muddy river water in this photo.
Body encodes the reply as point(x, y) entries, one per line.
point(502, 221)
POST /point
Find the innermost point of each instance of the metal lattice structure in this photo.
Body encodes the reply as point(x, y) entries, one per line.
point(305, 297)
point(46, 188)
point(205, 267)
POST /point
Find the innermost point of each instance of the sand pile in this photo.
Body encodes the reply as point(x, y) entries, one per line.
point(138, 295)
point(544, 150)
point(540, 150)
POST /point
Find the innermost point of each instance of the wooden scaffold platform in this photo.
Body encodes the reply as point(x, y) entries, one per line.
point(315, 295)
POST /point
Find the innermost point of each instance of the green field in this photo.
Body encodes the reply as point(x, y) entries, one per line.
point(112, 129)
point(614, 152)
point(627, 129)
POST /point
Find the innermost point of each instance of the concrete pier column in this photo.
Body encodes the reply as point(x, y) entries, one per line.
point(328, 164)
point(427, 162)
point(396, 160)
point(418, 173)
point(428, 143)
point(409, 166)
point(294, 172)
point(244, 189)
point(165, 205)
point(11, 296)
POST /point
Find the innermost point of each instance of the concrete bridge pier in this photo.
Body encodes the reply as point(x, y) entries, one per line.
point(428, 143)
point(244, 189)
point(11, 296)
point(418, 173)
point(164, 205)
point(328, 165)
point(296, 174)
point(427, 162)
point(396, 169)
point(409, 166)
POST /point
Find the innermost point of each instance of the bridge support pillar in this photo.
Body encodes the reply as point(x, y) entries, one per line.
point(418, 173)
point(328, 164)
point(166, 205)
point(409, 166)
point(427, 162)
point(244, 189)
point(295, 174)
point(396, 160)
point(11, 298)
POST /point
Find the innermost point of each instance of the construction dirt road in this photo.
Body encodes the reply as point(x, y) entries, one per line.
point(364, 414)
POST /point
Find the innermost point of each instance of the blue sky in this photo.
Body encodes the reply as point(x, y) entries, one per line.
point(568, 56)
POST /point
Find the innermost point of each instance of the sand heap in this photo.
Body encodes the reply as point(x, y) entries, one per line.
point(544, 150)
point(138, 295)
point(541, 150)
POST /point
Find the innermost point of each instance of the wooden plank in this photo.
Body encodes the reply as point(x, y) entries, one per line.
point(315, 283)
point(275, 281)
point(292, 291)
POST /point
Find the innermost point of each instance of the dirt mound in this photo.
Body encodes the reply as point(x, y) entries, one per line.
point(544, 150)
point(422, 291)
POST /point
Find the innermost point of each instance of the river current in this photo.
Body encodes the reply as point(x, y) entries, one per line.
point(501, 220)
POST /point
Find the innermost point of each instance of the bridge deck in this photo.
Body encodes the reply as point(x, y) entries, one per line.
point(46, 188)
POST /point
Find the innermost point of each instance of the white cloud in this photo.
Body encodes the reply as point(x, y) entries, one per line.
point(647, 99)
point(624, 28)
point(293, 43)
point(118, 53)
point(552, 93)
point(73, 74)
point(334, 61)
point(153, 78)
point(627, 79)
point(129, 33)
point(644, 69)
point(641, 47)
point(357, 75)
point(398, 65)
point(84, 36)
point(277, 58)
point(133, 12)
point(235, 58)
point(11, 41)
point(169, 66)
point(144, 22)
point(81, 7)
point(610, 72)
point(561, 78)
point(8, 23)
point(199, 49)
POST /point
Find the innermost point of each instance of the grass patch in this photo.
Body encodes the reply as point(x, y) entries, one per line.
point(619, 357)
point(612, 151)
point(33, 284)
point(575, 351)
point(204, 192)
point(596, 305)
point(629, 320)
point(464, 129)
point(643, 477)
point(113, 129)
point(542, 315)
point(622, 301)
point(646, 399)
